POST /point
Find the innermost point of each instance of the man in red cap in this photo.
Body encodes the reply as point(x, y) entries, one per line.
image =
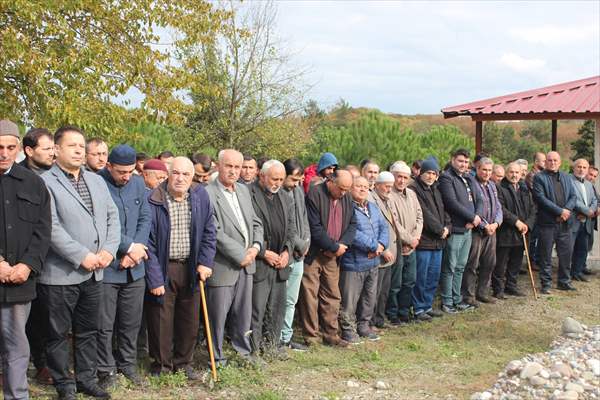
point(154, 173)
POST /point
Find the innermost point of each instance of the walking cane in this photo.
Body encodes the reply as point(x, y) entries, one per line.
point(529, 266)
point(209, 341)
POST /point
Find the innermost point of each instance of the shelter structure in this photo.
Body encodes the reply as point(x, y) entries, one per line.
point(578, 99)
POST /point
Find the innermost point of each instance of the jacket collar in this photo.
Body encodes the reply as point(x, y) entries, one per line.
point(159, 195)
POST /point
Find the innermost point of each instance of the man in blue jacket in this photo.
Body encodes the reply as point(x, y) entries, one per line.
point(554, 194)
point(181, 250)
point(358, 278)
point(124, 285)
point(464, 206)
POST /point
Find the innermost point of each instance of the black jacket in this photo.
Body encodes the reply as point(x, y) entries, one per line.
point(289, 228)
point(317, 208)
point(524, 211)
point(456, 200)
point(435, 218)
point(26, 228)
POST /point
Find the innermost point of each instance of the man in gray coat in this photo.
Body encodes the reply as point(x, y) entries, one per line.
point(582, 225)
point(239, 240)
point(292, 191)
point(85, 237)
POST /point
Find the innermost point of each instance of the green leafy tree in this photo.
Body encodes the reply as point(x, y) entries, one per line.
point(65, 61)
point(584, 146)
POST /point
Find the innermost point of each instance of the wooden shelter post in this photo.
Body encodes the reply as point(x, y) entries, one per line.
point(594, 257)
point(554, 134)
point(478, 136)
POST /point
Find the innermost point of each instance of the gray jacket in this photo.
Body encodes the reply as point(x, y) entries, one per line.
point(583, 207)
point(302, 237)
point(75, 230)
point(231, 248)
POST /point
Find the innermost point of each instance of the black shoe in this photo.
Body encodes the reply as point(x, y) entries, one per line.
point(580, 278)
point(295, 346)
point(565, 286)
point(190, 374)
point(107, 380)
point(67, 395)
point(514, 292)
point(464, 307)
point(423, 317)
point(94, 391)
point(587, 271)
point(470, 301)
point(545, 290)
point(435, 313)
point(449, 309)
point(486, 299)
point(499, 295)
point(133, 377)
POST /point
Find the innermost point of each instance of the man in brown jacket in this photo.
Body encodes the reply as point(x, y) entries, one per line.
point(404, 271)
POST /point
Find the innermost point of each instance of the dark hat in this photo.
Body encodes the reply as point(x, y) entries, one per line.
point(155, 165)
point(122, 154)
point(430, 164)
point(9, 128)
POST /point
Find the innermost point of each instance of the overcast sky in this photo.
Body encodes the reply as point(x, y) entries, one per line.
point(418, 57)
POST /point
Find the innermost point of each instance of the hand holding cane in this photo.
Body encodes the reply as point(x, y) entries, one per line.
point(208, 333)
point(529, 265)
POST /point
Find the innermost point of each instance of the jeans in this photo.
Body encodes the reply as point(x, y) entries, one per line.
point(404, 275)
point(291, 298)
point(581, 240)
point(453, 265)
point(429, 263)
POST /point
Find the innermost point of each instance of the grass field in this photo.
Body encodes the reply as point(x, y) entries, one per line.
point(449, 358)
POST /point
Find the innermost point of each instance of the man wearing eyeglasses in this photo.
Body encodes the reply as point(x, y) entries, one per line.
point(96, 154)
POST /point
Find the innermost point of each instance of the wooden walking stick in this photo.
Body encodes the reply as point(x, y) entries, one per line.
point(529, 266)
point(209, 341)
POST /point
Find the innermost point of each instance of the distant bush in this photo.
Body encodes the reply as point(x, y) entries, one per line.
point(376, 136)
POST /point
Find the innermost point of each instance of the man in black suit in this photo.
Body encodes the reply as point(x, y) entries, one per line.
point(272, 262)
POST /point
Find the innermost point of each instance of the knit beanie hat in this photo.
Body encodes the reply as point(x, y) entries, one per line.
point(430, 164)
point(122, 154)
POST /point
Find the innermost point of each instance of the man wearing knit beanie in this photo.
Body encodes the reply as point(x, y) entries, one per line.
point(436, 228)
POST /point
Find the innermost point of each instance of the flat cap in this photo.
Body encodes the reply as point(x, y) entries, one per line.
point(9, 128)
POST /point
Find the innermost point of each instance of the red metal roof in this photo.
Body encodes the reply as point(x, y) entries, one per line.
point(581, 96)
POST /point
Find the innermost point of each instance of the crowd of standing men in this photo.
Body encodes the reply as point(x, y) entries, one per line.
point(103, 252)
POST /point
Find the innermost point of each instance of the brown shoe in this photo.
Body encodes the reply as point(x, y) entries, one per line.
point(43, 376)
point(337, 342)
point(486, 299)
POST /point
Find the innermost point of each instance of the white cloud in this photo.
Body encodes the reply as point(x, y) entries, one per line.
point(521, 64)
point(554, 34)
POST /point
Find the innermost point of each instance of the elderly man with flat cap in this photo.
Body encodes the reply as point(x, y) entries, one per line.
point(124, 284)
point(381, 197)
point(181, 251)
point(24, 239)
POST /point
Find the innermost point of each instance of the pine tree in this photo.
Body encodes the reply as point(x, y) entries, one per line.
point(584, 146)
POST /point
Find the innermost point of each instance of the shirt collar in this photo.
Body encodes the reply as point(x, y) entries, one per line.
point(224, 189)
